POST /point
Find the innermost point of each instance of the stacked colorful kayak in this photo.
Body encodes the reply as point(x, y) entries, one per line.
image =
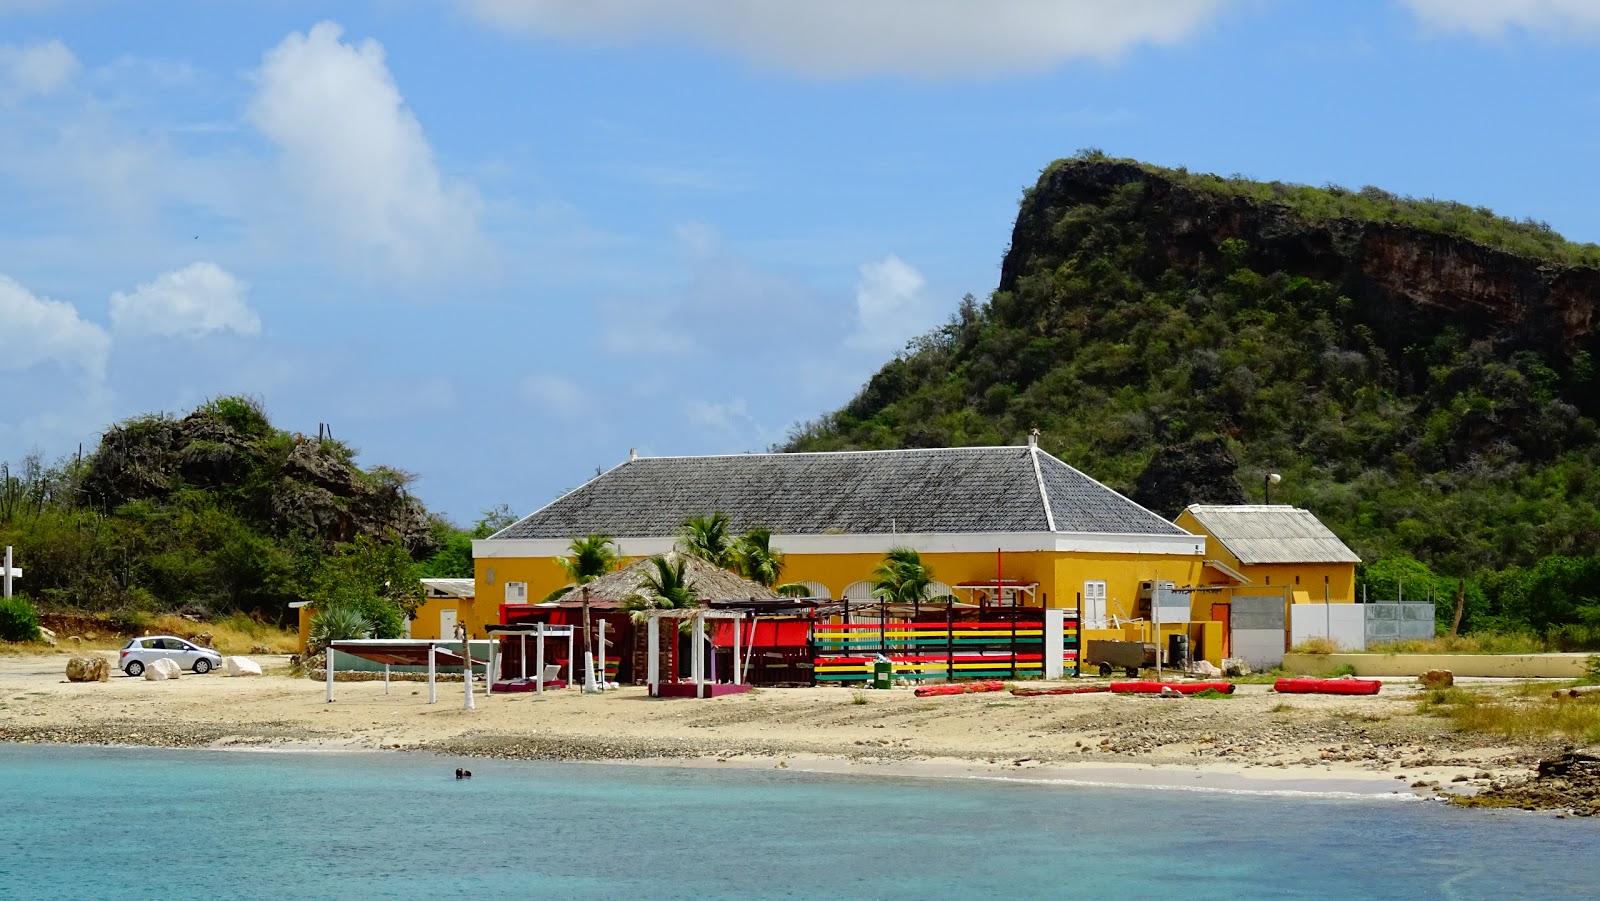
point(1183, 688)
point(958, 688)
point(1344, 686)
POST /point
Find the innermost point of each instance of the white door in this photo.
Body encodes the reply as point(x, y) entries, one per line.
point(447, 624)
point(1094, 605)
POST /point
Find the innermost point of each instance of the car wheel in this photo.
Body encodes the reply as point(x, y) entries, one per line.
point(134, 668)
point(202, 666)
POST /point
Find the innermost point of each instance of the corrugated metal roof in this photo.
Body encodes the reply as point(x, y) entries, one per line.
point(1258, 533)
point(450, 588)
point(962, 489)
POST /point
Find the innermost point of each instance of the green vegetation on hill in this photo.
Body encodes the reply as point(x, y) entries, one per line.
point(1416, 370)
point(218, 513)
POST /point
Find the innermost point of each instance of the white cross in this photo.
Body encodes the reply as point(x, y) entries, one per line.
point(9, 572)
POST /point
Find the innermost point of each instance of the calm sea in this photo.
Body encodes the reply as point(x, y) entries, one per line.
point(115, 823)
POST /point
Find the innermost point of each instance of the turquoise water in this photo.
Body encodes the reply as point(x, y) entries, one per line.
point(120, 823)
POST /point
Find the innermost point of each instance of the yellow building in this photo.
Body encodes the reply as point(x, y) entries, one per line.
point(1260, 561)
point(1015, 517)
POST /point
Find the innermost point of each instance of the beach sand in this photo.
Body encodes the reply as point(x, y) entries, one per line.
point(1253, 741)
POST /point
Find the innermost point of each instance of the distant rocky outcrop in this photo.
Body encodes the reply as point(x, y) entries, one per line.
point(287, 482)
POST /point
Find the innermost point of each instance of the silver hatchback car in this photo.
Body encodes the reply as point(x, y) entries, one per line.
point(140, 652)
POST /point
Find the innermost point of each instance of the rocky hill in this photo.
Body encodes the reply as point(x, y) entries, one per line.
point(1420, 372)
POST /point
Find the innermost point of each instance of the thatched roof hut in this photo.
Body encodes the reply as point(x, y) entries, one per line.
point(708, 582)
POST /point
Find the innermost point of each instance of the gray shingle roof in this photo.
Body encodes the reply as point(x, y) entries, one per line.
point(963, 489)
point(1256, 533)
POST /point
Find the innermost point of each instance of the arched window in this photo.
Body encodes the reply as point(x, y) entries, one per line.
point(816, 589)
point(858, 591)
point(937, 590)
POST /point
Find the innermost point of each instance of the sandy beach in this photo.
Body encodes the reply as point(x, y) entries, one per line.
point(1256, 740)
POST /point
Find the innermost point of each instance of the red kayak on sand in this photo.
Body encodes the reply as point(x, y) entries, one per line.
point(958, 688)
point(1038, 692)
point(1183, 688)
point(1307, 686)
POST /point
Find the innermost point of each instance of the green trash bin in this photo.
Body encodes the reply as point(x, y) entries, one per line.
point(882, 673)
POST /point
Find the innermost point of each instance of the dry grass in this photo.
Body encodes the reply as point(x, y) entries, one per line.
point(235, 634)
point(1517, 715)
point(1317, 646)
point(1512, 643)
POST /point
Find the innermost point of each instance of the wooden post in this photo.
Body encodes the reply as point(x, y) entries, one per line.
point(538, 659)
point(950, 640)
point(386, 678)
point(522, 654)
point(653, 656)
point(433, 691)
point(469, 703)
point(1013, 642)
point(698, 660)
point(1461, 604)
point(738, 629)
point(327, 669)
point(601, 653)
point(494, 666)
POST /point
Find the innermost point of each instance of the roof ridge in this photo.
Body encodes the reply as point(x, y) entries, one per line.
point(1044, 493)
point(832, 453)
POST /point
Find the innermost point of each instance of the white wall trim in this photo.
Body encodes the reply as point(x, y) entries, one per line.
point(878, 544)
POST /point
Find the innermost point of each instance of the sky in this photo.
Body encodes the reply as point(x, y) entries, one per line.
point(498, 243)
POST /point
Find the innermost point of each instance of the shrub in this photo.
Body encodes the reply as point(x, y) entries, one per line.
point(338, 622)
point(18, 620)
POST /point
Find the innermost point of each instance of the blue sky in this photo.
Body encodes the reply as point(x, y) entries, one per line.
point(497, 243)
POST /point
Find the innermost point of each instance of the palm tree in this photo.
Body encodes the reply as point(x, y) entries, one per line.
point(901, 577)
point(707, 537)
point(755, 559)
point(667, 588)
point(593, 556)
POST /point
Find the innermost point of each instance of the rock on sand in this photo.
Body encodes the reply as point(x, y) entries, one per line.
point(241, 666)
point(88, 669)
point(160, 670)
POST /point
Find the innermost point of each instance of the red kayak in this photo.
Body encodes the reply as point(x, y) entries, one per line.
point(1039, 692)
point(1183, 688)
point(1307, 686)
point(958, 688)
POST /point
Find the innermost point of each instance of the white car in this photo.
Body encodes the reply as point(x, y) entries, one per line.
point(140, 652)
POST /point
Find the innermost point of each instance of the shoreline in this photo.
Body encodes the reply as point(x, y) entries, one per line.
point(1254, 742)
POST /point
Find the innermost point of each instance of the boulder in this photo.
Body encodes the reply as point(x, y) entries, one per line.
point(47, 636)
point(1206, 669)
point(241, 666)
point(260, 649)
point(1437, 678)
point(88, 669)
point(1235, 666)
point(161, 670)
point(204, 640)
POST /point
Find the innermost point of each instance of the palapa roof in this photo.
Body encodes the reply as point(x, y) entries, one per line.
point(951, 490)
point(706, 581)
point(1259, 533)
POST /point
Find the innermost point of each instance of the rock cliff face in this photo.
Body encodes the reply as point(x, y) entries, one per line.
point(289, 483)
point(1407, 283)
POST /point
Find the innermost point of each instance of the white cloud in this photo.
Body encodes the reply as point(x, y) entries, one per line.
point(1492, 18)
point(929, 38)
point(891, 308)
point(555, 394)
point(358, 157)
point(34, 69)
point(191, 302)
point(730, 419)
point(35, 330)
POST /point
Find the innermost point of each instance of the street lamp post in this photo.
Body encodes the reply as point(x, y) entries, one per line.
point(1271, 479)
